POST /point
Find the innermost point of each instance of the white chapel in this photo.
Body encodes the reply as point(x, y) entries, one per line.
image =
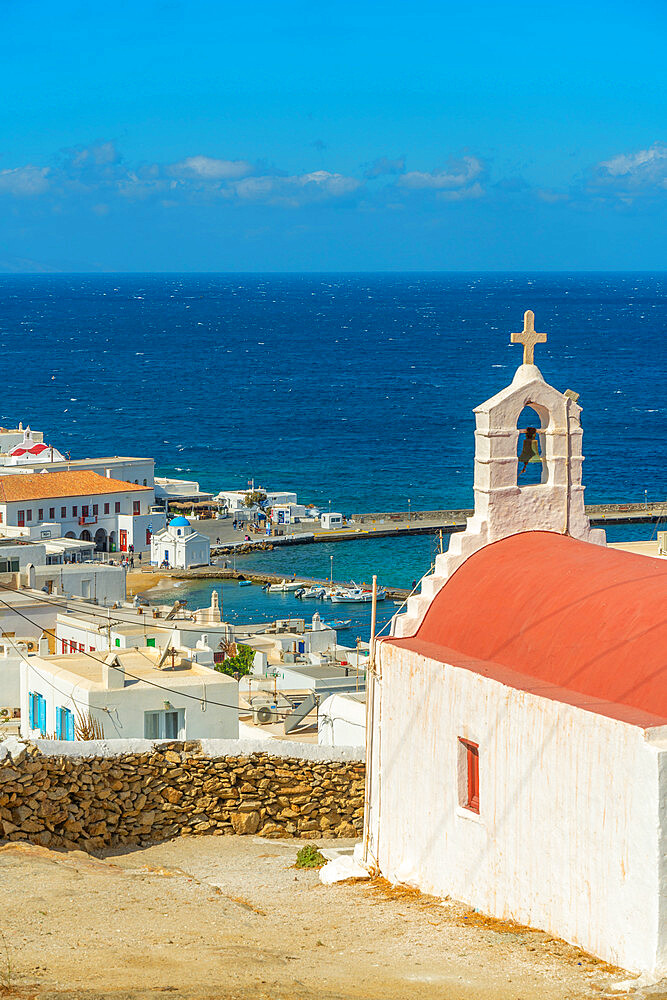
point(517, 716)
point(180, 546)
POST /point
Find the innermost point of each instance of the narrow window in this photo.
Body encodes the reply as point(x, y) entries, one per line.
point(84, 510)
point(21, 518)
point(469, 778)
point(63, 511)
point(40, 514)
point(95, 509)
point(74, 511)
point(136, 507)
point(28, 515)
point(117, 507)
point(52, 513)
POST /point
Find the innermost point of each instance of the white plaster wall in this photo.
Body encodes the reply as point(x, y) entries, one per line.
point(10, 678)
point(105, 584)
point(122, 711)
point(341, 721)
point(79, 633)
point(567, 835)
point(125, 716)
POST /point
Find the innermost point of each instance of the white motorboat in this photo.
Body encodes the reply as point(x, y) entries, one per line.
point(355, 595)
point(284, 587)
point(316, 592)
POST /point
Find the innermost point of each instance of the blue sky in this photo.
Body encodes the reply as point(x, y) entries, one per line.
point(167, 136)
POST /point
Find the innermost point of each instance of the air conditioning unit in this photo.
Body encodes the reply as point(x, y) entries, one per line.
point(263, 710)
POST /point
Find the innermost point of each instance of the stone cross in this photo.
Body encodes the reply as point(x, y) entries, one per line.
point(529, 337)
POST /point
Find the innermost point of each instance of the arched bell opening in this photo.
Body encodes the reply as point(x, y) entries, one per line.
point(531, 461)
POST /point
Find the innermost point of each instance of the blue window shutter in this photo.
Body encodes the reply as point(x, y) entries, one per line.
point(59, 712)
point(31, 709)
point(69, 723)
point(41, 714)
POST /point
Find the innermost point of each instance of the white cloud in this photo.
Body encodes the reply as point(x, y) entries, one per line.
point(462, 194)
point(24, 181)
point(209, 169)
point(100, 155)
point(297, 189)
point(630, 174)
point(459, 174)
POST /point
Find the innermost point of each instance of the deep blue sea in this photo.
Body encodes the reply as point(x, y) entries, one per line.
point(357, 389)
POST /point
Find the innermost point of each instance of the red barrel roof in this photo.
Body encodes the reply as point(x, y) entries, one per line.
point(565, 619)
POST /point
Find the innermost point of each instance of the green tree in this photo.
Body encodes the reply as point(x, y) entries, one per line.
point(240, 664)
point(254, 498)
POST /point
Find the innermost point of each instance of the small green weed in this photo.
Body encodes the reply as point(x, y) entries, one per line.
point(310, 857)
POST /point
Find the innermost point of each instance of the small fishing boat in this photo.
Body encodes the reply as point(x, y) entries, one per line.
point(315, 592)
point(284, 587)
point(355, 595)
point(339, 625)
point(245, 583)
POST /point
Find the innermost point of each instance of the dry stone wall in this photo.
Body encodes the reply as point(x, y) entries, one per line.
point(53, 795)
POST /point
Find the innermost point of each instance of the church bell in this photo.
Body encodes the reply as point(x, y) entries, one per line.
point(530, 450)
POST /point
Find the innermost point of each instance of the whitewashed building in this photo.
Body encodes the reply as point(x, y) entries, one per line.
point(60, 566)
point(517, 741)
point(180, 546)
point(22, 447)
point(131, 693)
point(113, 514)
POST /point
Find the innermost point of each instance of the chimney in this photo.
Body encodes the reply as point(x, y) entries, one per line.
point(43, 647)
point(108, 473)
point(113, 674)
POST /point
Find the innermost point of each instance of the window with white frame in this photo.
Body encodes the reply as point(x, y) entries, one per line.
point(167, 724)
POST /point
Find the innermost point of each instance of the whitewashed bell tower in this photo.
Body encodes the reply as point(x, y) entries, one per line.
point(502, 505)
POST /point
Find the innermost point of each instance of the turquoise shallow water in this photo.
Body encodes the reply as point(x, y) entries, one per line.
point(396, 561)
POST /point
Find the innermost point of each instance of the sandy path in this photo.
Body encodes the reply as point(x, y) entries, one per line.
point(229, 917)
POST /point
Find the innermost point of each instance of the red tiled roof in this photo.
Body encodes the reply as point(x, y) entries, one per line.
point(51, 485)
point(565, 619)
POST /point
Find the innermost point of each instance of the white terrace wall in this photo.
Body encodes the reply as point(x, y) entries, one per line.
point(571, 808)
point(92, 795)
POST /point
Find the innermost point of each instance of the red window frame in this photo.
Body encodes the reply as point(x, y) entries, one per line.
point(28, 514)
point(106, 508)
point(117, 507)
point(52, 513)
point(40, 514)
point(75, 510)
point(472, 775)
point(20, 518)
point(84, 510)
point(95, 509)
point(63, 511)
point(136, 507)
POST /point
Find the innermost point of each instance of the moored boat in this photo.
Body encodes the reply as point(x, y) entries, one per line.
point(284, 587)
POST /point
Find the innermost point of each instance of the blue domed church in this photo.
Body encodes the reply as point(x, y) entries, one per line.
point(179, 546)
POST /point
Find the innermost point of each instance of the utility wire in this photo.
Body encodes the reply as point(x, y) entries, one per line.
point(143, 680)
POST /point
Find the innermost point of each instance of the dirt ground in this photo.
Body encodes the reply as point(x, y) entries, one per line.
point(230, 917)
